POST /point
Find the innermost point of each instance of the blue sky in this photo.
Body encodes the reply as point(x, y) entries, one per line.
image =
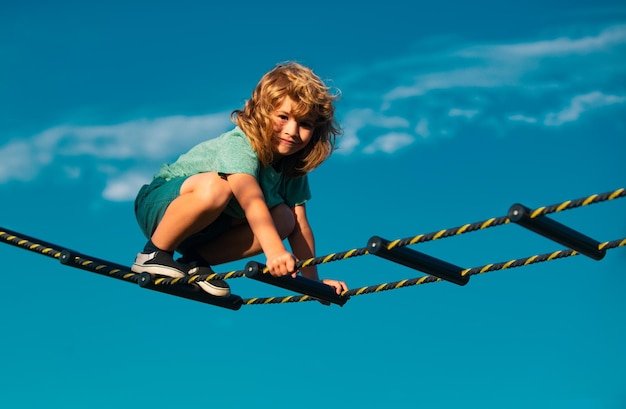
point(451, 111)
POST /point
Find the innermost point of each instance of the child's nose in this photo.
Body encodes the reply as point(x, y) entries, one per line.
point(292, 127)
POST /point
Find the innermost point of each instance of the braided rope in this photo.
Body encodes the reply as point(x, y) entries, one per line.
point(422, 238)
point(432, 279)
point(29, 243)
point(121, 272)
point(100, 267)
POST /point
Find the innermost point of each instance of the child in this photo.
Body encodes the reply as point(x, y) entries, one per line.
point(244, 192)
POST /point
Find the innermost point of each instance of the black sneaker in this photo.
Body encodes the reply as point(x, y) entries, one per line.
point(160, 263)
point(217, 288)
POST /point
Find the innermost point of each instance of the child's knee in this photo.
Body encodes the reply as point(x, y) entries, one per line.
point(208, 188)
point(284, 219)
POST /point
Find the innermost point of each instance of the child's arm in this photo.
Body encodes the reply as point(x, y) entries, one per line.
point(302, 241)
point(303, 245)
point(248, 193)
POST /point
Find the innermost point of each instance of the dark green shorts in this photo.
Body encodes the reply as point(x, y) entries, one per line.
point(152, 201)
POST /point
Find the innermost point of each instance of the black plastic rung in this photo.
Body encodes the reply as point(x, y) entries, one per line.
point(416, 260)
point(299, 284)
point(556, 231)
point(191, 292)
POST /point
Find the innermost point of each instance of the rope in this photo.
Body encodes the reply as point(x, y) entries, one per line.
point(422, 238)
point(467, 228)
point(29, 243)
point(432, 279)
point(63, 255)
point(114, 270)
point(102, 267)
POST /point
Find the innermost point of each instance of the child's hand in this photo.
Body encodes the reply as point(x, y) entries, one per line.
point(339, 286)
point(282, 264)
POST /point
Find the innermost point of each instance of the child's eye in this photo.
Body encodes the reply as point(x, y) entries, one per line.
point(306, 124)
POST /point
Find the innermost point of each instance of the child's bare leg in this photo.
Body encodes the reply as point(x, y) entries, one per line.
point(202, 199)
point(239, 242)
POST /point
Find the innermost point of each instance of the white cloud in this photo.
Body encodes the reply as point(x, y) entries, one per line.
point(392, 105)
point(464, 113)
point(474, 77)
point(19, 161)
point(522, 118)
point(126, 155)
point(143, 140)
point(356, 120)
point(606, 39)
point(581, 104)
point(422, 128)
point(389, 143)
point(363, 117)
point(491, 84)
point(124, 187)
point(504, 65)
point(349, 141)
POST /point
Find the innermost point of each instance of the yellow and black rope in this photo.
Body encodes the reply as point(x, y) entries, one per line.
point(432, 279)
point(29, 243)
point(422, 238)
point(121, 272)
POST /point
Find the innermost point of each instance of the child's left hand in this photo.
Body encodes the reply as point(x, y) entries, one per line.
point(339, 286)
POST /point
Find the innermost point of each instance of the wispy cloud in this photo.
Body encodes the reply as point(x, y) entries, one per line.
point(389, 143)
point(124, 186)
point(581, 104)
point(127, 153)
point(605, 40)
point(144, 138)
point(548, 82)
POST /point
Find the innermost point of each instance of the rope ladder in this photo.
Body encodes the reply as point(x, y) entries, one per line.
point(396, 251)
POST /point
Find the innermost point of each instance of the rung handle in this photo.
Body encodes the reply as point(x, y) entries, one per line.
point(191, 292)
point(416, 260)
point(555, 231)
point(299, 284)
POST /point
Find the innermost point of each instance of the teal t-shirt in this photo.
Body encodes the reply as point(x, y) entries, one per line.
point(231, 153)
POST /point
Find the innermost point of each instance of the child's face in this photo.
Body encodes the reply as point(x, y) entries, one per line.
point(291, 134)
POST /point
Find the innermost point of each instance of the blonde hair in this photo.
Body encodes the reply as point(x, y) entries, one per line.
point(313, 100)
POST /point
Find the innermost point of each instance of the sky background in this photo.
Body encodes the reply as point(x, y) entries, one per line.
point(452, 111)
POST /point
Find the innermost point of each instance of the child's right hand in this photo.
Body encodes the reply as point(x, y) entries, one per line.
point(282, 264)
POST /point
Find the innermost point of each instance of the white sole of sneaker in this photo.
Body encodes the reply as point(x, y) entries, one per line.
point(160, 271)
point(213, 290)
